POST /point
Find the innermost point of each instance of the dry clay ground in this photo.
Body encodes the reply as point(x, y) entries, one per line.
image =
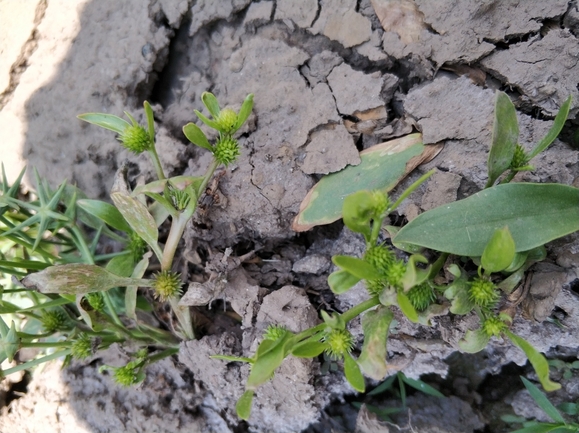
point(330, 78)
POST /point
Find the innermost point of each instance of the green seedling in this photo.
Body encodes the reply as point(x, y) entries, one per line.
point(501, 230)
point(72, 299)
point(559, 424)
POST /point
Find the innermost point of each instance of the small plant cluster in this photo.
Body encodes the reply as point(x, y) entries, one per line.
point(500, 230)
point(72, 304)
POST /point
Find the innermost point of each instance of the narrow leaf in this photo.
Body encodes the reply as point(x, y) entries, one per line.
point(244, 111)
point(131, 291)
point(357, 267)
point(375, 324)
point(534, 213)
point(150, 120)
point(536, 359)
point(243, 406)
point(107, 121)
point(106, 212)
point(545, 428)
point(341, 281)
point(210, 101)
point(353, 373)
point(421, 386)
point(208, 122)
point(555, 130)
point(10, 343)
point(77, 278)
point(230, 358)
point(407, 307)
point(499, 252)
point(543, 402)
point(505, 137)
point(196, 136)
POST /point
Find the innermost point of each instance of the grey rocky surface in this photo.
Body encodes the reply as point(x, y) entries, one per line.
point(313, 66)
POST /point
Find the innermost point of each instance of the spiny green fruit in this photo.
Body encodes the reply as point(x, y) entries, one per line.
point(376, 287)
point(226, 150)
point(483, 293)
point(53, 320)
point(81, 347)
point(227, 121)
point(127, 375)
point(379, 256)
point(136, 139)
point(381, 202)
point(340, 342)
point(493, 326)
point(96, 301)
point(394, 273)
point(137, 246)
point(167, 284)
point(275, 332)
point(520, 157)
point(421, 296)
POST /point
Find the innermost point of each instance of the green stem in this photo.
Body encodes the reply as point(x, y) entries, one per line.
point(359, 309)
point(35, 362)
point(175, 234)
point(208, 175)
point(156, 162)
point(411, 189)
point(162, 355)
point(111, 309)
point(45, 344)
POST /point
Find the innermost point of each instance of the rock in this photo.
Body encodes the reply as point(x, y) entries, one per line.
point(330, 149)
point(312, 264)
point(204, 12)
point(301, 12)
point(258, 13)
point(317, 69)
point(289, 307)
point(340, 22)
point(441, 189)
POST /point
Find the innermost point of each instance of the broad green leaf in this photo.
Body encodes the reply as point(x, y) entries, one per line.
point(414, 275)
point(555, 129)
point(381, 168)
point(358, 211)
point(341, 281)
point(243, 406)
point(421, 386)
point(121, 265)
point(534, 213)
point(499, 252)
point(196, 136)
point(244, 111)
point(353, 373)
point(543, 402)
point(375, 324)
point(210, 101)
point(135, 213)
point(267, 361)
point(357, 267)
point(536, 359)
point(407, 307)
point(474, 341)
point(106, 212)
point(107, 121)
point(505, 137)
point(78, 278)
point(309, 349)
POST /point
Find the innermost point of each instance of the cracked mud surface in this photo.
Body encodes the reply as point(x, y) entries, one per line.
point(330, 78)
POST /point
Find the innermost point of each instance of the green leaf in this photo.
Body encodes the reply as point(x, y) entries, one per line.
point(414, 275)
point(121, 265)
point(178, 182)
point(210, 101)
point(267, 360)
point(106, 212)
point(353, 373)
point(136, 214)
point(208, 122)
point(540, 428)
point(421, 386)
point(341, 281)
point(230, 358)
point(131, 291)
point(357, 267)
point(358, 212)
point(150, 120)
point(381, 168)
point(244, 111)
point(543, 402)
point(499, 253)
point(536, 359)
point(534, 213)
point(196, 136)
point(457, 293)
point(107, 121)
point(10, 343)
point(474, 341)
point(78, 278)
point(243, 406)
point(384, 386)
point(505, 138)
point(375, 324)
point(309, 349)
point(334, 321)
point(407, 307)
point(555, 129)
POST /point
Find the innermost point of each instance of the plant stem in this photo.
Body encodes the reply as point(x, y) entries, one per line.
point(175, 234)
point(47, 344)
point(163, 354)
point(34, 362)
point(183, 316)
point(208, 174)
point(156, 163)
point(360, 308)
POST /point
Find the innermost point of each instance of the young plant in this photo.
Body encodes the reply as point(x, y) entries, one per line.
point(75, 293)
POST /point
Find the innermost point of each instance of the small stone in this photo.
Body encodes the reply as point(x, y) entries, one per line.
point(313, 264)
point(330, 150)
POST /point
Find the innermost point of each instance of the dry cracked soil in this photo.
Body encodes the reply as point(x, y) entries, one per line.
point(330, 78)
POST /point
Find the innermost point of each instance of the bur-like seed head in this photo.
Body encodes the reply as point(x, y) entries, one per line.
point(375, 287)
point(96, 301)
point(340, 342)
point(81, 347)
point(380, 257)
point(421, 296)
point(381, 202)
point(167, 284)
point(53, 320)
point(127, 375)
point(136, 139)
point(395, 272)
point(493, 326)
point(226, 150)
point(483, 293)
point(137, 246)
point(275, 332)
point(520, 157)
point(227, 121)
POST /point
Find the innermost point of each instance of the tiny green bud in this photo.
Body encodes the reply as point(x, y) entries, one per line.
point(81, 347)
point(493, 326)
point(167, 284)
point(482, 292)
point(340, 342)
point(137, 246)
point(421, 296)
point(179, 198)
point(379, 256)
point(275, 332)
point(53, 320)
point(227, 121)
point(520, 157)
point(226, 150)
point(96, 301)
point(136, 139)
point(127, 375)
point(381, 202)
